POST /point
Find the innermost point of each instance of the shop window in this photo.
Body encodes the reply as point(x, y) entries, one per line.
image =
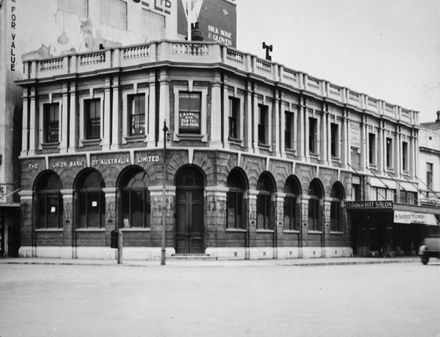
point(135, 200)
point(372, 149)
point(263, 124)
point(289, 130)
point(51, 122)
point(315, 210)
point(234, 118)
point(114, 13)
point(313, 135)
point(389, 153)
point(236, 202)
point(91, 200)
point(49, 201)
point(136, 115)
point(336, 210)
point(429, 170)
point(407, 197)
point(190, 112)
point(92, 118)
point(405, 156)
point(292, 206)
point(334, 136)
point(265, 187)
point(76, 7)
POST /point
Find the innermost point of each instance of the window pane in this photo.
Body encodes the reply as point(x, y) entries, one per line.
point(189, 112)
point(51, 122)
point(76, 7)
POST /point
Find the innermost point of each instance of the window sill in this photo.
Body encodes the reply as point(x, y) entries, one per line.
point(236, 230)
point(265, 230)
point(136, 229)
point(48, 229)
point(336, 160)
point(314, 232)
point(314, 155)
point(291, 231)
point(290, 151)
point(90, 229)
point(236, 141)
point(189, 136)
point(50, 146)
point(137, 138)
point(264, 146)
point(91, 142)
point(336, 233)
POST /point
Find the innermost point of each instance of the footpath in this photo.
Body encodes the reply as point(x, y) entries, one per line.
point(170, 262)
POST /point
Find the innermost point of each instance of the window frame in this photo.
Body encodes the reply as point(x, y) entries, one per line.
point(66, 7)
point(313, 136)
point(334, 141)
point(47, 110)
point(289, 130)
point(263, 125)
point(372, 146)
point(132, 112)
point(405, 156)
point(88, 127)
point(234, 133)
point(429, 176)
point(389, 153)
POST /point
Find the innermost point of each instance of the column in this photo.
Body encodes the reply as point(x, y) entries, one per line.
point(252, 223)
point(255, 124)
point(364, 139)
point(275, 126)
point(164, 103)
point(110, 213)
point(216, 217)
point(279, 222)
point(25, 125)
point(68, 225)
point(344, 139)
point(326, 225)
point(107, 116)
point(216, 113)
point(304, 224)
point(306, 134)
point(64, 114)
point(33, 123)
point(381, 143)
point(248, 120)
point(397, 153)
point(225, 116)
point(152, 113)
point(348, 141)
point(300, 129)
point(74, 117)
point(116, 121)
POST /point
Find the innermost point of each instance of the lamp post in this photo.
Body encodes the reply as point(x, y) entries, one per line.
point(164, 192)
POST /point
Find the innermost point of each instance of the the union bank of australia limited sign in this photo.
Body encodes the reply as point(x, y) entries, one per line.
point(386, 204)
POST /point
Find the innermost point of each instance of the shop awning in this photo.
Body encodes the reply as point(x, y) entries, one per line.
point(408, 187)
point(415, 218)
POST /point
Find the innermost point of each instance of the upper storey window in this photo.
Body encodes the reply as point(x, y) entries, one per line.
point(405, 156)
point(372, 149)
point(389, 154)
point(190, 112)
point(334, 147)
point(51, 122)
point(76, 7)
point(313, 135)
point(263, 124)
point(234, 118)
point(114, 13)
point(289, 130)
point(92, 118)
point(136, 114)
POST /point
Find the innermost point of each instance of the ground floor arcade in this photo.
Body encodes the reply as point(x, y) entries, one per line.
point(226, 204)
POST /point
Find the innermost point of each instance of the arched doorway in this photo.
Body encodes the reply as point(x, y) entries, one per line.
point(315, 213)
point(265, 207)
point(189, 211)
point(336, 208)
point(292, 203)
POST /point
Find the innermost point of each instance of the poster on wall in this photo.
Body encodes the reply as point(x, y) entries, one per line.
point(217, 20)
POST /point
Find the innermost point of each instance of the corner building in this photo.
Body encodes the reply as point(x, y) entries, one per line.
point(260, 159)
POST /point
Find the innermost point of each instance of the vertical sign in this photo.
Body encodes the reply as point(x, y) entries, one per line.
point(13, 17)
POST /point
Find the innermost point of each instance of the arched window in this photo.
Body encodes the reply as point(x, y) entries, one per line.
point(91, 200)
point(236, 202)
point(49, 201)
point(316, 193)
point(336, 218)
point(265, 187)
point(135, 199)
point(292, 188)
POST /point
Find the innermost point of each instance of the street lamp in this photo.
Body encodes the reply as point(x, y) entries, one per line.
point(164, 192)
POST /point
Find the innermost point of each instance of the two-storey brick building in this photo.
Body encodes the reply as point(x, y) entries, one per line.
point(261, 160)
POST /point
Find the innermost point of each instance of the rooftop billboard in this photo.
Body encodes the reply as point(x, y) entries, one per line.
point(217, 20)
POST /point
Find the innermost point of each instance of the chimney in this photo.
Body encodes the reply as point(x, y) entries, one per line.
point(196, 33)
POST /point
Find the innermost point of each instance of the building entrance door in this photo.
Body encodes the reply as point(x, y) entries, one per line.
point(189, 212)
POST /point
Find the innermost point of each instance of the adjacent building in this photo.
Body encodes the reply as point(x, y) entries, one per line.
point(261, 161)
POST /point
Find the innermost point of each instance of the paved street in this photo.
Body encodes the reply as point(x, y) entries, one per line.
point(401, 299)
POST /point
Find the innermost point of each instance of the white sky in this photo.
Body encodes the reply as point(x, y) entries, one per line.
point(388, 49)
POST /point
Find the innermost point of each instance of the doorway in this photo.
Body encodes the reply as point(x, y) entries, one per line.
point(189, 211)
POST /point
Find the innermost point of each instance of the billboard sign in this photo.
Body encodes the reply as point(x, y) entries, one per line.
point(217, 20)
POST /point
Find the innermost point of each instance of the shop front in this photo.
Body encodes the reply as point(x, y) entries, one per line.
point(383, 228)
